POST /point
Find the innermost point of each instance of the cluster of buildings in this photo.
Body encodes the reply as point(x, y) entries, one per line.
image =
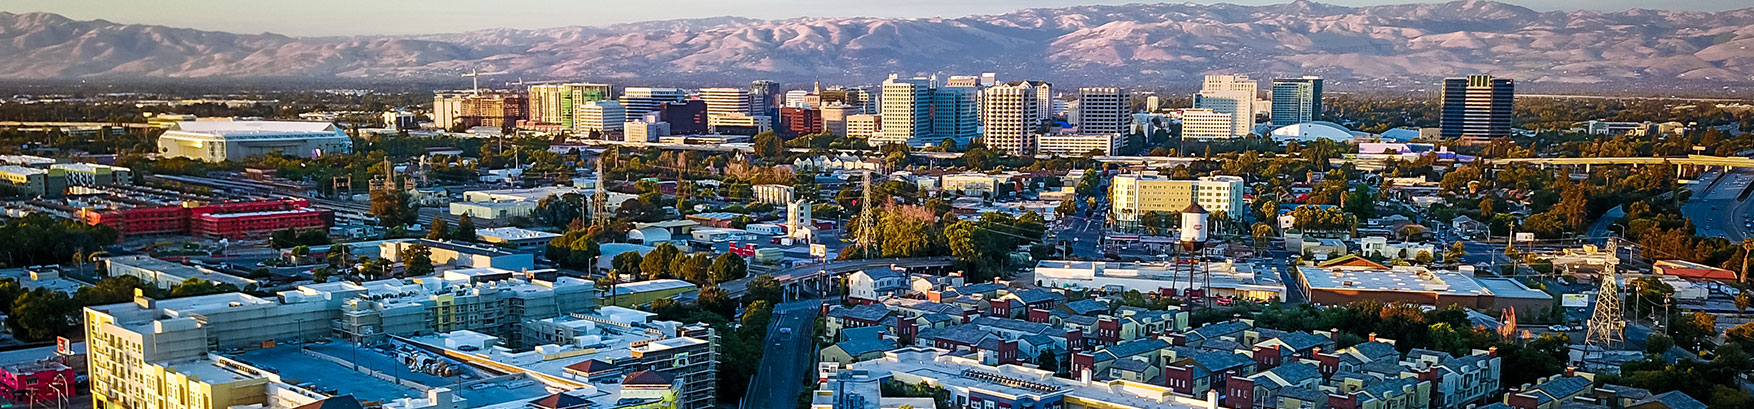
point(49, 177)
point(488, 330)
point(1017, 117)
point(994, 345)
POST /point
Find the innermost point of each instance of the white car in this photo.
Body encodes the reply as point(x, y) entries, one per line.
point(1558, 328)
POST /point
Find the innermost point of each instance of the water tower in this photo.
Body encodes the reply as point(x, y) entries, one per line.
point(1193, 238)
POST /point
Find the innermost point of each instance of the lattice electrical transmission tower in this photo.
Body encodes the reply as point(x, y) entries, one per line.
point(600, 197)
point(1607, 326)
point(867, 216)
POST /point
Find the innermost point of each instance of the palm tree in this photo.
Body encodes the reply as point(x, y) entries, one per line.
point(1743, 302)
point(1747, 248)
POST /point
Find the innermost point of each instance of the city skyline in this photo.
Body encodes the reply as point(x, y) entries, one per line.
point(454, 16)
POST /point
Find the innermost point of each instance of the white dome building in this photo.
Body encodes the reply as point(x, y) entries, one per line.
point(1310, 131)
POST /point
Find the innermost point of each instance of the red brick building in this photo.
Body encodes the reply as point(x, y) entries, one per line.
point(235, 220)
point(801, 121)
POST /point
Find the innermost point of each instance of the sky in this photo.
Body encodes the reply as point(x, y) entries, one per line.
point(353, 17)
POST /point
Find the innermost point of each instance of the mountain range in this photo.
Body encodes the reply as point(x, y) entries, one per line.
point(1391, 45)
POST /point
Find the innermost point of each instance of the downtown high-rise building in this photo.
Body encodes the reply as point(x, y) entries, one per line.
point(1011, 117)
point(555, 103)
point(907, 110)
point(726, 101)
point(641, 100)
point(1104, 110)
point(1297, 100)
point(1477, 107)
point(918, 112)
point(764, 97)
point(956, 111)
point(1230, 94)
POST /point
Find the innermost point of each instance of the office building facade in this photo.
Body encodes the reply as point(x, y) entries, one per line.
point(1477, 107)
point(600, 117)
point(1297, 100)
point(1230, 94)
point(1103, 110)
point(726, 101)
point(640, 100)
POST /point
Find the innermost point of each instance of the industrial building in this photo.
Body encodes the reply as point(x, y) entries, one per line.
point(218, 141)
point(1220, 280)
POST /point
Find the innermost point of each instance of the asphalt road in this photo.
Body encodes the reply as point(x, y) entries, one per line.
point(788, 357)
point(1083, 233)
point(1715, 210)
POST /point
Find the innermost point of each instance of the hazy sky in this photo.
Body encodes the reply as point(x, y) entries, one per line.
point(341, 17)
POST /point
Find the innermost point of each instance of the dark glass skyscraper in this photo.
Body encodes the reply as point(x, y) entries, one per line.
point(1477, 107)
point(1297, 100)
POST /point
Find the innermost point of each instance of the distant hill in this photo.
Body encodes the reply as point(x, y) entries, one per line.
point(1395, 45)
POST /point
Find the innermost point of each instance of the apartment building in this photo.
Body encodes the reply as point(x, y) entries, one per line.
point(1135, 195)
point(1011, 116)
point(33, 181)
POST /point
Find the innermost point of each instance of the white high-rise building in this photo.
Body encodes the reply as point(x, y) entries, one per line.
point(1103, 110)
point(907, 110)
point(640, 100)
point(600, 116)
point(864, 126)
point(1011, 114)
point(726, 101)
point(1230, 94)
point(1205, 124)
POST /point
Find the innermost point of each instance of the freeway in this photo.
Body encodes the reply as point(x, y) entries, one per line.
point(788, 357)
point(1718, 208)
point(1697, 160)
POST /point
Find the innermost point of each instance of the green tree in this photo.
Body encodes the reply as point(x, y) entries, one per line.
point(197, 286)
point(768, 146)
point(764, 287)
point(465, 229)
point(42, 314)
point(440, 230)
point(1067, 208)
point(627, 263)
point(392, 207)
point(692, 268)
point(417, 260)
point(728, 267)
point(656, 263)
